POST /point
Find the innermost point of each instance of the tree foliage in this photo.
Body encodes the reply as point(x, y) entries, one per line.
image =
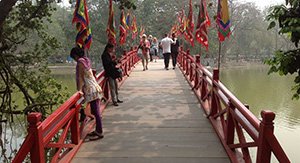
point(25, 46)
point(287, 61)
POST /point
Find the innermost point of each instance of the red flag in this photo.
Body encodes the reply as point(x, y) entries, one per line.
point(134, 28)
point(182, 22)
point(190, 26)
point(174, 29)
point(123, 32)
point(190, 19)
point(202, 24)
point(189, 37)
point(84, 36)
point(110, 30)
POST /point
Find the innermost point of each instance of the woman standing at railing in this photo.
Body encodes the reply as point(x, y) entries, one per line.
point(87, 86)
point(111, 72)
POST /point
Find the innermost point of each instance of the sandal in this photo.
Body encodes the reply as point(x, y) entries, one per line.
point(95, 135)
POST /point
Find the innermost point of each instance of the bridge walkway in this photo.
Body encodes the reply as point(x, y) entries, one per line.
point(159, 121)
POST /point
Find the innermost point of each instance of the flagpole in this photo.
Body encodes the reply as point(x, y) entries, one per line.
point(219, 58)
point(200, 51)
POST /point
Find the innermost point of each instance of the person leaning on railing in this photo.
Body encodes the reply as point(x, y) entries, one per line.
point(89, 88)
point(111, 72)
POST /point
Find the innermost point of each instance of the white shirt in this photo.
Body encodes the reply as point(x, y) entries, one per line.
point(166, 44)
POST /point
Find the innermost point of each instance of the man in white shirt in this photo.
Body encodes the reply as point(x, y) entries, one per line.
point(166, 46)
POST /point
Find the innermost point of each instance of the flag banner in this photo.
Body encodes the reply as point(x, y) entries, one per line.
point(189, 37)
point(182, 22)
point(202, 25)
point(123, 32)
point(190, 25)
point(84, 35)
point(81, 13)
point(134, 28)
point(110, 30)
point(84, 38)
point(223, 20)
point(190, 19)
point(128, 21)
point(174, 29)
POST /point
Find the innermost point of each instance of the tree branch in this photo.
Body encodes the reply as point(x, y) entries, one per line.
point(5, 8)
point(28, 98)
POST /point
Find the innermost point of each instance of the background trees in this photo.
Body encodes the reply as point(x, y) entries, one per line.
point(287, 59)
point(25, 45)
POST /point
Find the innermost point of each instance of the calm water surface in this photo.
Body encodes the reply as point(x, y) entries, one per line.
point(252, 85)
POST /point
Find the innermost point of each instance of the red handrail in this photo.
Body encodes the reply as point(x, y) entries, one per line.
point(41, 134)
point(229, 116)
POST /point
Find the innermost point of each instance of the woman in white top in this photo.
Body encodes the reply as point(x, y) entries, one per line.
point(88, 86)
point(155, 48)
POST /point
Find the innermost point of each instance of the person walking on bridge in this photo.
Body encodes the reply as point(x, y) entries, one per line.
point(145, 47)
point(174, 50)
point(88, 87)
point(166, 46)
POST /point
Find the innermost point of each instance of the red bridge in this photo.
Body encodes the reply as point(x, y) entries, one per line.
point(186, 115)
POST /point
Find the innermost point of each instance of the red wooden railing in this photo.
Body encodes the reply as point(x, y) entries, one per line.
point(230, 118)
point(52, 133)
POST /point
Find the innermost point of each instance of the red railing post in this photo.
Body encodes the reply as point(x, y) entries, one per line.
point(180, 56)
point(184, 60)
point(266, 126)
point(187, 62)
point(75, 135)
point(106, 89)
point(37, 152)
point(191, 69)
point(203, 87)
point(196, 73)
point(229, 137)
point(214, 101)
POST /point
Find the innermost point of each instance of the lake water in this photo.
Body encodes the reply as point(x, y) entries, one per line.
point(251, 85)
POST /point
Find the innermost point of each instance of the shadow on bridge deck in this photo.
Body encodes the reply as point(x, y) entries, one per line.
point(159, 121)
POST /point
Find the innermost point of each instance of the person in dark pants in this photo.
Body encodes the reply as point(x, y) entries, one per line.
point(111, 72)
point(174, 50)
point(166, 46)
point(89, 88)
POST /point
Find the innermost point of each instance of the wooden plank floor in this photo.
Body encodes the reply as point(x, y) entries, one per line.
point(159, 121)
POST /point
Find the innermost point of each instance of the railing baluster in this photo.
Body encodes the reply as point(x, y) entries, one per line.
point(214, 104)
point(266, 125)
point(196, 72)
point(37, 152)
point(75, 133)
point(230, 126)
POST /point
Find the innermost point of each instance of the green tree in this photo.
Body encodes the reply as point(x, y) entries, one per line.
point(25, 46)
point(287, 61)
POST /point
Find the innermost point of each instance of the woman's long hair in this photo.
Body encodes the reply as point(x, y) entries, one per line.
point(77, 51)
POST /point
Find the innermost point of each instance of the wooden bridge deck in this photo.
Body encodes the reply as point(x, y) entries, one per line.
point(159, 121)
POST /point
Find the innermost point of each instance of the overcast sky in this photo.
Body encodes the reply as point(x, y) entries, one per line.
point(260, 3)
point(264, 3)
